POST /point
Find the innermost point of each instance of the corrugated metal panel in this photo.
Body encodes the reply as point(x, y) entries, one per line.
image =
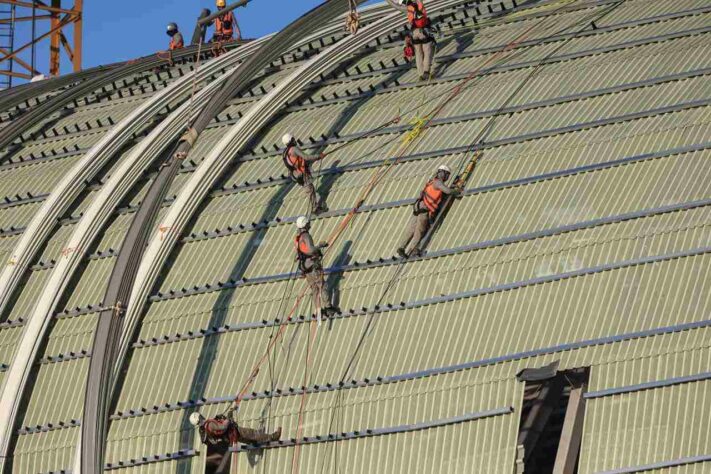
point(44, 452)
point(534, 316)
point(479, 446)
point(638, 370)
point(652, 425)
point(436, 335)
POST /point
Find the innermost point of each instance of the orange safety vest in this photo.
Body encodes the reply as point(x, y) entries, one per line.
point(431, 198)
point(417, 15)
point(176, 44)
point(295, 163)
point(302, 253)
point(224, 24)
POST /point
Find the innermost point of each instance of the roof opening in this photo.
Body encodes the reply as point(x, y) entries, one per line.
point(551, 420)
point(218, 459)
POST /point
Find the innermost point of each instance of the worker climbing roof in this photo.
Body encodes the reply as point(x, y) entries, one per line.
point(568, 267)
point(176, 38)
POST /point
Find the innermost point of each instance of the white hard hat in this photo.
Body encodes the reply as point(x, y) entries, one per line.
point(444, 168)
point(287, 139)
point(302, 222)
point(195, 419)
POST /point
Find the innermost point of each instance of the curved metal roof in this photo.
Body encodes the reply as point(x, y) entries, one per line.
point(583, 237)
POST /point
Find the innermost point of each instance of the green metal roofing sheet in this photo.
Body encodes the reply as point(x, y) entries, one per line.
point(638, 85)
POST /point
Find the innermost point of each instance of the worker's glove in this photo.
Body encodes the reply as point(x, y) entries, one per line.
point(322, 245)
point(457, 194)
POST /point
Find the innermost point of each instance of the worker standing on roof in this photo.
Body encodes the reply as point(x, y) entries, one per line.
point(310, 264)
point(425, 210)
point(225, 25)
point(176, 38)
point(299, 165)
point(421, 33)
point(223, 431)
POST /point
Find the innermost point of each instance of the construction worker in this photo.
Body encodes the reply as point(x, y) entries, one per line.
point(176, 38)
point(425, 210)
point(310, 264)
point(225, 25)
point(223, 431)
point(299, 165)
point(421, 33)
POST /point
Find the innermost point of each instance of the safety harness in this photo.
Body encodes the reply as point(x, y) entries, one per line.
point(295, 164)
point(176, 43)
point(223, 25)
point(430, 198)
point(303, 256)
point(417, 15)
point(219, 430)
point(418, 19)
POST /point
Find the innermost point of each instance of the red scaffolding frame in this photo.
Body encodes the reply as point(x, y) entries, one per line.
point(61, 18)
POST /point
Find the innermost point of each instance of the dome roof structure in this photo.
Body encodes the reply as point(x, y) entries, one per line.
point(557, 320)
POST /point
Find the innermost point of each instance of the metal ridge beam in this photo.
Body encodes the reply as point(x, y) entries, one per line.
point(333, 437)
point(142, 461)
point(648, 385)
point(371, 432)
point(41, 226)
point(660, 465)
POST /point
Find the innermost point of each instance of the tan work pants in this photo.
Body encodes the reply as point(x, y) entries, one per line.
point(424, 52)
point(250, 436)
point(310, 193)
point(318, 288)
point(415, 231)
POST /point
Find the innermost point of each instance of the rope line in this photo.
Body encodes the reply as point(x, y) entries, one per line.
point(419, 127)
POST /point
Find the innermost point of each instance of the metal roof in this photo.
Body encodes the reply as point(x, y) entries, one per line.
point(583, 237)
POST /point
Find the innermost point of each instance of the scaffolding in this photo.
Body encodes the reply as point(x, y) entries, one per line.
point(48, 19)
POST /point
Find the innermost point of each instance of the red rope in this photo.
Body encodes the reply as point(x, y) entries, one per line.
point(300, 426)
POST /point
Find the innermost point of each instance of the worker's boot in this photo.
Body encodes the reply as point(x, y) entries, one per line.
point(320, 209)
point(423, 78)
point(330, 311)
point(432, 75)
point(401, 252)
point(276, 435)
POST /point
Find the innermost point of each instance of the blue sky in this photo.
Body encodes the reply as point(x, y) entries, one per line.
point(126, 29)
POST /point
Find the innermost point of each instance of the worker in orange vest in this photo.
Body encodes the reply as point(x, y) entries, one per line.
point(310, 258)
point(421, 35)
point(425, 210)
point(299, 165)
point(223, 431)
point(176, 38)
point(225, 25)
